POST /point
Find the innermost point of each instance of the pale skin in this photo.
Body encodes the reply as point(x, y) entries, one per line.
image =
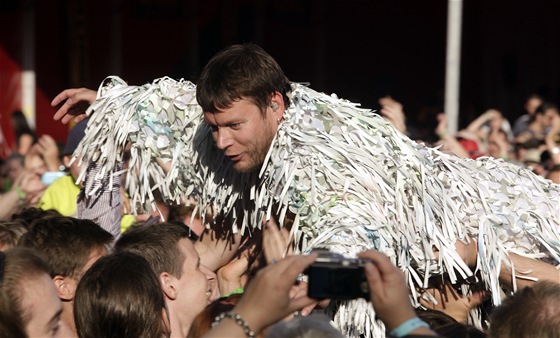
point(186, 296)
point(66, 289)
point(42, 306)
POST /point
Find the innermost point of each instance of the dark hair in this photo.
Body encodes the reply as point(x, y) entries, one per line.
point(530, 312)
point(435, 318)
point(119, 296)
point(66, 242)
point(542, 109)
point(21, 126)
point(203, 321)
point(241, 71)
point(19, 264)
point(11, 232)
point(158, 244)
point(459, 330)
point(29, 215)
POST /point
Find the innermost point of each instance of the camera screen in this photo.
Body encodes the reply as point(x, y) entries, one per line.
point(348, 282)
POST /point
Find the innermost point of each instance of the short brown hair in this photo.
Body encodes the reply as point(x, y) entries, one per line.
point(158, 244)
point(241, 71)
point(17, 265)
point(530, 312)
point(66, 242)
point(11, 232)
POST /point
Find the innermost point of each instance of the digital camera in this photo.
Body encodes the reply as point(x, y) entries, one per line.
point(335, 277)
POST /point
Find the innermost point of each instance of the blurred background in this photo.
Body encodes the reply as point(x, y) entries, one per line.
point(359, 49)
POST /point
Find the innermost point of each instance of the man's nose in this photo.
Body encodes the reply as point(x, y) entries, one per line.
point(224, 139)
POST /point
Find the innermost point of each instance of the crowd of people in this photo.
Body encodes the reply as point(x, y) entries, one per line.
point(78, 263)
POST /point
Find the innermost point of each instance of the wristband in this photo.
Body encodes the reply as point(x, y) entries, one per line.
point(407, 327)
point(237, 291)
point(238, 320)
point(21, 194)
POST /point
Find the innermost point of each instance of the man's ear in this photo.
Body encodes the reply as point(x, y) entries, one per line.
point(66, 161)
point(168, 285)
point(277, 105)
point(65, 287)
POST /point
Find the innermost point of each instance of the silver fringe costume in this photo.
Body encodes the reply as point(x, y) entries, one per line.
point(352, 181)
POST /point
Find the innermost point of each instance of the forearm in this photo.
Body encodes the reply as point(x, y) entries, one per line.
point(10, 202)
point(539, 269)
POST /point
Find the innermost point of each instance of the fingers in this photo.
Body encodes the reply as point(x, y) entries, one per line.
point(76, 101)
point(274, 242)
point(306, 310)
point(381, 262)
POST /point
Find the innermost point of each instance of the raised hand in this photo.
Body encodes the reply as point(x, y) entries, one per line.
point(76, 102)
point(267, 300)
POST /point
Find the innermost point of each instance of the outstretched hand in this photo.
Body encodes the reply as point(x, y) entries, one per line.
point(267, 297)
point(76, 102)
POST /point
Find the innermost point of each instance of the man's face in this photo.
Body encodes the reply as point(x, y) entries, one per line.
point(243, 133)
point(549, 116)
point(43, 307)
point(194, 290)
point(532, 105)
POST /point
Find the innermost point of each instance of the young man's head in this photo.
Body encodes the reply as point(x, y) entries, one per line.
point(243, 93)
point(171, 254)
point(531, 312)
point(545, 114)
point(75, 135)
point(120, 297)
point(29, 305)
point(532, 103)
point(70, 246)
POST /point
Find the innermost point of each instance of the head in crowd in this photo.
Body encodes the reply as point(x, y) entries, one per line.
point(70, 246)
point(75, 135)
point(29, 305)
point(120, 296)
point(544, 114)
point(30, 215)
point(458, 330)
point(10, 233)
point(243, 93)
point(14, 166)
point(25, 136)
point(554, 174)
point(532, 103)
point(447, 326)
point(171, 254)
point(530, 312)
point(304, 327)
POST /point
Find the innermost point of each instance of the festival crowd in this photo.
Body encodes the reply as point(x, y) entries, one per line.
point(63, 274)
